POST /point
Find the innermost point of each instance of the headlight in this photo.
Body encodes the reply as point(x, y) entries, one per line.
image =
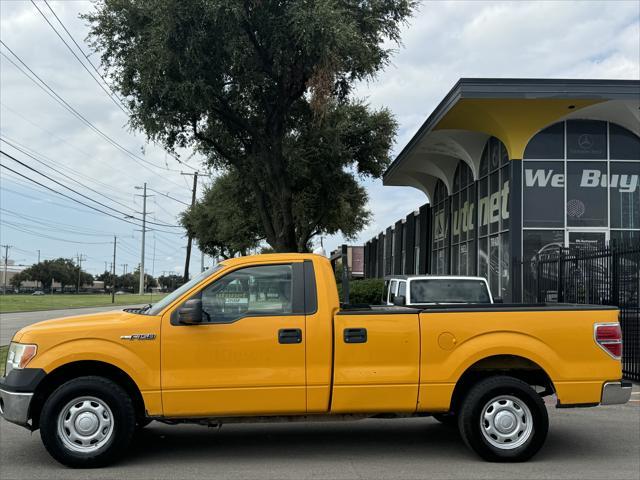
point(19, 356)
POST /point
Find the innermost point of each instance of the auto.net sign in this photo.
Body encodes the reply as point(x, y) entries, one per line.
point(590, 178)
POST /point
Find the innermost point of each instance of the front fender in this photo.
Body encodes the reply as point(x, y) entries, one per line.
point(138, 359)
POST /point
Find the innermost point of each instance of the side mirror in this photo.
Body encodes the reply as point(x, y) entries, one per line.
point(190, 313)
point(399, 300)
point(498, 300)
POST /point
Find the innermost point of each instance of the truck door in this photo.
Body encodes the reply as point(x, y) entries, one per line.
point(376, 362)
point(248, 355)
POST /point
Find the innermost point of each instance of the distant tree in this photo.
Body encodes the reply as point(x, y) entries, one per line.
point(17, 279)
point(224, 222)
point(61, 270)
point(134, 278)
point(263, 89)
point(107, 278)
point(170, 282)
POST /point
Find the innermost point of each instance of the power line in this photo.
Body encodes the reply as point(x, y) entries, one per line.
point(79, 193)
point(76, 56)
point(67, 196)
point(85, 56)
point(24, 216)
point(50, 237)
point(113, 94)
point(52, 93)
point(48, 132)
point(168, 196)
point(25, 152)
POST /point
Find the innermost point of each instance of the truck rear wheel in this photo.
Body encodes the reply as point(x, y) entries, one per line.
point(87, 422)
point(503, 420)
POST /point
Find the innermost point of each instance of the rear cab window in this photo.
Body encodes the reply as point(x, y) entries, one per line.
point(448, 291)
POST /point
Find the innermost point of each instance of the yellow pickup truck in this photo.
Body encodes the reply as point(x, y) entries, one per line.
point(264, 338)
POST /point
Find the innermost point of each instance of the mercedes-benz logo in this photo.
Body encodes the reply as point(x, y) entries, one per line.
point(585, 142)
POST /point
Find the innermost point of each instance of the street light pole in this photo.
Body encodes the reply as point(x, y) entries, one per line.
point(113, 272)
point(6, 261)
point(144, 231)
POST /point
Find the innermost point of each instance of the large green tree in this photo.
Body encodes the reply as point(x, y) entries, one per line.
point(263, 89)
point(61, 270)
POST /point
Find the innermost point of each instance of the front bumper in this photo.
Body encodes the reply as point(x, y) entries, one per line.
point(16, 393)
point(615, 393)
point(14, 407)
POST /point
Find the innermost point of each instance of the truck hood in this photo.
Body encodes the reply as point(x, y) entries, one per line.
point(78, 325)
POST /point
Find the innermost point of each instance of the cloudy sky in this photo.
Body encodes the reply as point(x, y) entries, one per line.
point(443, 42)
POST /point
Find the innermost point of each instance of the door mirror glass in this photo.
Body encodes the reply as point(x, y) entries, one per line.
point(190, 313)
point(399, 300)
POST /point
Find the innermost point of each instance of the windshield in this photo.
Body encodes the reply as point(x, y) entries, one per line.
point(449, 291)
point(156, 308)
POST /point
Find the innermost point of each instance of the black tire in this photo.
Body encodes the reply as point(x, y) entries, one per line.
point(471, 424)
point(122, 421)
point(448, 419)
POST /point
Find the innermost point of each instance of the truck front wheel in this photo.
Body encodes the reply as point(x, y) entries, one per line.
point(87, 422)
point(503, 420)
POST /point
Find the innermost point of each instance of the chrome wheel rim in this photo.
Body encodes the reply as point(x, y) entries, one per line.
point(506, 422)
point(85, 424)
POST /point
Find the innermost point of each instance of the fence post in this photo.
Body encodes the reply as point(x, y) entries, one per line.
point(561, 277)
point(538, 282)
point(614, 298)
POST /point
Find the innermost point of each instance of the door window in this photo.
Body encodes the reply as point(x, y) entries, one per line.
point(392, 290)
point(402, 289)
point(252, 291)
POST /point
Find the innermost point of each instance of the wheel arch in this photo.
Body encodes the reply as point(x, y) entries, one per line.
point(512, 365)
point(82, 368)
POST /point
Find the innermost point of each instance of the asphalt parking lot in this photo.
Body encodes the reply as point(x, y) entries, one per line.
point(592, 443)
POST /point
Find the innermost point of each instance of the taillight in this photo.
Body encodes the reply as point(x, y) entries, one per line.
point(609, 337)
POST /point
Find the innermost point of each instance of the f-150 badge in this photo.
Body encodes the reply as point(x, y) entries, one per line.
point(139, 336)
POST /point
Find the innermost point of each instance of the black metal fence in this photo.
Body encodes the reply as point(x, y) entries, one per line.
point(603, 275)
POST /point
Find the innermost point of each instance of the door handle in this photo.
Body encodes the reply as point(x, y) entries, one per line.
point(289, 335)
point(355, 335)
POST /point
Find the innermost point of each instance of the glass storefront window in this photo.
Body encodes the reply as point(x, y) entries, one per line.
point(625, 194)
point(625, 236)
point(543, 194)
point(441, 216)
point(586, 194)
point(494, 259)
point(505, 263)
point(624, 145)
point(494, 264)
point(600, 179)
point(547, 144)
point(463, 217)
point(537, 242)
point(586, 139)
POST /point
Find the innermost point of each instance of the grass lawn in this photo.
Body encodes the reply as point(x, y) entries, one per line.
point(27, 303)
point(3, 358)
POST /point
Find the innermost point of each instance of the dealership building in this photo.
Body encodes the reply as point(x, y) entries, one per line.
point(510, 168)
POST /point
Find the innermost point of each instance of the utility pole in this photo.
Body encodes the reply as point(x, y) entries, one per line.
point(124, 268)
point(6, 261)
point(105, 266)
point(144, 231)
point(201, 261)
point(80, 259)
point(38, 256)
point(190, 238)
point(113, 272)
